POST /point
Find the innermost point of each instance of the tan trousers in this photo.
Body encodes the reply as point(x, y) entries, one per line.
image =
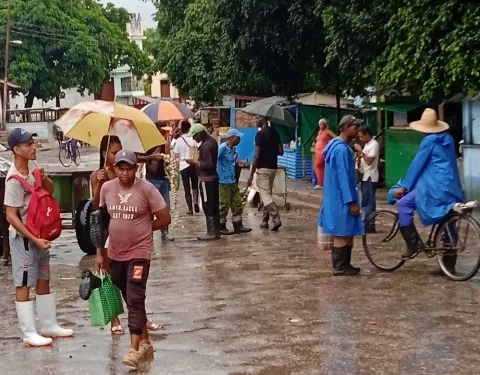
point(265, 179)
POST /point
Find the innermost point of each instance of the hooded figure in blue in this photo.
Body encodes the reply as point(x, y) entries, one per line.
point(340, 212)
point(432, 185)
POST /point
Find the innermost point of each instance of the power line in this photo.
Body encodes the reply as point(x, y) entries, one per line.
point(44, 33)
point(43, 28)
point(42, 36)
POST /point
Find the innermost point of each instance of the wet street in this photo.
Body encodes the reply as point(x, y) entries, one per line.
point(263, 304)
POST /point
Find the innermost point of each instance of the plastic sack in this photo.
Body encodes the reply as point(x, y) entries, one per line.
point(325, 241)
point(105, 303)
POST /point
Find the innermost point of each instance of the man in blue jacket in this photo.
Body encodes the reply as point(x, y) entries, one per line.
point(340, 212)
point(432, 185)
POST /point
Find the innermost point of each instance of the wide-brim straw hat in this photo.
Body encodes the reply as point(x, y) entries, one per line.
point(429, 123)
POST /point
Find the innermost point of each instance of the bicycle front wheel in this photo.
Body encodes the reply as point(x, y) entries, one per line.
point(65, 157)
point(382, 242)
point(457, 243)
point(78, 160)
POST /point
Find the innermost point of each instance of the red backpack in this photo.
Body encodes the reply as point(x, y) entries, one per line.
point(43, 212)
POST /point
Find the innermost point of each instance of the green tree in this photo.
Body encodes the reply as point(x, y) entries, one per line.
point(66, 44)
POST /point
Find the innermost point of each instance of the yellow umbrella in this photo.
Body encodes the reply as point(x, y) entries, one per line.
point(90, 121)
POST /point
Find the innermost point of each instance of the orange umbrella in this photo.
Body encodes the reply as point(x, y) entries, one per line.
point(167, 111)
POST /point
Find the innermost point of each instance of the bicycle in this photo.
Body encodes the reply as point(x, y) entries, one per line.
point(384, 245)
point(65, 154)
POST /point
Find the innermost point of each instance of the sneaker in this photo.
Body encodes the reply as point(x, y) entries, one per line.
point(146, 351)
point(316, 187)
point(132, 358)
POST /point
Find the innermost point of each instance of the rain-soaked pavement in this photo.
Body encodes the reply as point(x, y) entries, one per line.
point(263, 304)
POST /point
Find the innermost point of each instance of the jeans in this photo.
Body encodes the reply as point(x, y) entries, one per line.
point(406, 207)
point(190, 182)
point(163, 187)
point(369, 204)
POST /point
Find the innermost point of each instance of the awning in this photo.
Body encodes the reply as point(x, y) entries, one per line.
point(399, 107)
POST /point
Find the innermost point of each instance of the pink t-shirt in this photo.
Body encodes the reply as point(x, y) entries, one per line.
point(131, 210)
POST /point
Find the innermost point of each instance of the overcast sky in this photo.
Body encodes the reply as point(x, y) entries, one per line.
point(146, 9)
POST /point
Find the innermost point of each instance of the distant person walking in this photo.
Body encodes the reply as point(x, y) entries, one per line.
point(206, 166)
point(187, 171)
point(340, 212)
point(367, 160)
point(324, 136)
point(268, 147)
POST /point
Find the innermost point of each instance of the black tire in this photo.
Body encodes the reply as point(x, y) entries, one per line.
point(82, 227)
point(65, 157)
point(464, 231)
point(384, 248)
point(78, 160)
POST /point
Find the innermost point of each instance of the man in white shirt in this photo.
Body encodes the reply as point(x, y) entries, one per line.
point(367, 160)
point(188, 172)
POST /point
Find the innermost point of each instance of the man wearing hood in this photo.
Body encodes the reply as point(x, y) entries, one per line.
point(432, 185)
point(340, 212)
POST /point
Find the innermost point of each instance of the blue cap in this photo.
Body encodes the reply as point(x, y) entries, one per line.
point(126, 157)
point(233, 133)
point(18, 136)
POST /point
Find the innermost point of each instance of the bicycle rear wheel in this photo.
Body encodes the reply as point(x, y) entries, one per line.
point(384, 245)
point(78, 160)
point(65, 157)
point(457, 242)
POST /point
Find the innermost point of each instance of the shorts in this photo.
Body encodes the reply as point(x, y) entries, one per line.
point(29, 264)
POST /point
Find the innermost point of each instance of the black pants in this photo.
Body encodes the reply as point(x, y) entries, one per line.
point(131, 278)
point(189, 180)
point(209, 192)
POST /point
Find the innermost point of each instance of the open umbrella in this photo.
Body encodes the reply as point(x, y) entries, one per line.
point(90, 121)
point(274, 112)
point(167, 111)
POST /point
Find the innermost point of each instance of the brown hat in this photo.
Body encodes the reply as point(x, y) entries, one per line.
point(429, 123)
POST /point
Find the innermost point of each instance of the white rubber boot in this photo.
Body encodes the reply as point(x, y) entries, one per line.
point(26, 319)
point(47, 317)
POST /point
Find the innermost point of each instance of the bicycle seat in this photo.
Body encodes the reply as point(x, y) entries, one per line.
point(462, 207)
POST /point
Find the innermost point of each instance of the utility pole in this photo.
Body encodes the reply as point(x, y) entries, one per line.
point(5, 77)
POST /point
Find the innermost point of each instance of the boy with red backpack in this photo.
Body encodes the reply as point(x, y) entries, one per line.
point(34, 219)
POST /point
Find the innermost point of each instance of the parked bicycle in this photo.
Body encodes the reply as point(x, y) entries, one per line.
point(457, 235)
point(66, 154)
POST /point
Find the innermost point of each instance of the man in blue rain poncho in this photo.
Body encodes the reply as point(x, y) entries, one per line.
point(432, 185)
point(340, 212)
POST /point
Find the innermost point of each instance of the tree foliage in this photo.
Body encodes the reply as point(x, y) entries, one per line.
point(66, 44)
point(213, 47)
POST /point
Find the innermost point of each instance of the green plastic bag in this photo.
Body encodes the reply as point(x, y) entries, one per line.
point(105, 303)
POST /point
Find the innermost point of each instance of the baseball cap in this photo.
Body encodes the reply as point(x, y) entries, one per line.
point(195, 129)
point(349, 120)
point(126, 156)
point(18, 136)
point(233, 133)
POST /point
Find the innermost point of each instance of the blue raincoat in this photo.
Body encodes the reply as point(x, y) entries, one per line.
point(340, 189)
point(434, 176)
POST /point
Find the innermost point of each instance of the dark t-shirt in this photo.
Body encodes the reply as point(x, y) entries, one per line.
point(156, 168)
point(268, 140)
point(207, 160)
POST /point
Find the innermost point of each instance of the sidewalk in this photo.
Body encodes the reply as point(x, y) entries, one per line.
point(301, 193)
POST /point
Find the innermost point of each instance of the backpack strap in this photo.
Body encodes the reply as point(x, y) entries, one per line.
point(23, 182)
point(38, 178)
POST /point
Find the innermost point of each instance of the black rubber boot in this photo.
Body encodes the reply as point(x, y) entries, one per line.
point(266, 218)
point(211, 230)
point(349, 260)
point(413, 241)
point(195, 200)
point(216, 227)
point(273, 211)
point(188, 198)
point(239, 228)
point(450, 255)
point(224, 231)
point(340, 263)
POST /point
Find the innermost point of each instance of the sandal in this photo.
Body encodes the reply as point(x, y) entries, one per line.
point(117, 330)
point(152, 327)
